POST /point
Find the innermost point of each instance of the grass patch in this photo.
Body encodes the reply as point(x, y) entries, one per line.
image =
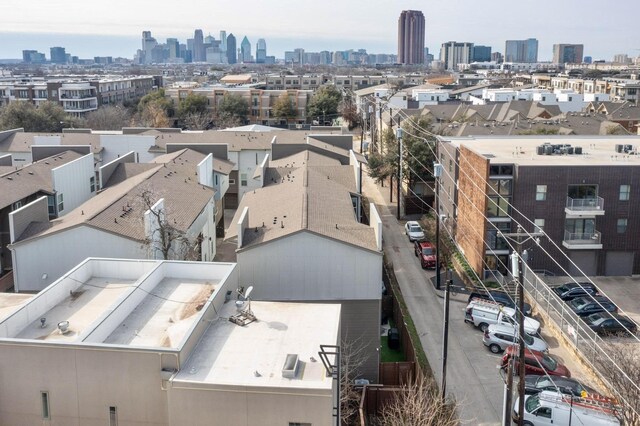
point(390, 355)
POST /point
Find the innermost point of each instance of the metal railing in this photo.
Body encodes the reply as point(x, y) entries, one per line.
point(592, 349)
point(585, 204)
point(582, 237)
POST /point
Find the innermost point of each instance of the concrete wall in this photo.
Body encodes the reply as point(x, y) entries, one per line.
point(40, 152)
point(114, 146)
point(105, 172)
point(82, 384)
point(72, 180)
point(305, 266)
point(57, 253)
point(19, 220)
point(246, 406)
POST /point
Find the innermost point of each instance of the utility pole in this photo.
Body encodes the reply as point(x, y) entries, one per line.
point(399, 182)
point(445, 335)
point(371, 143)
point(362, 124)
point(437, 172)
point(518, 263)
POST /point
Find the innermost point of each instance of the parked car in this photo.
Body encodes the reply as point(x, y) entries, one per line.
point(569, 291)
point(606, 323)
point(553, 409)
point(426, 252)
point(498, 296)
point(535, 362)
point(482, 314)
point(534, 384)
point(414, 231)
point(498, 337)
point(588, 305)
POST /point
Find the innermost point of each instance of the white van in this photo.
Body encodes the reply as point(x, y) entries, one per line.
point(549, 408)
point(483, 314)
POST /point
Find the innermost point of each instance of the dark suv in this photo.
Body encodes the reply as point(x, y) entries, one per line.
point(500, 297)
point(588, 305)
point(570, 291)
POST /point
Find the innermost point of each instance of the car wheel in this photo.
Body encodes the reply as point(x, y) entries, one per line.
point(495, 348)
point(483, 326)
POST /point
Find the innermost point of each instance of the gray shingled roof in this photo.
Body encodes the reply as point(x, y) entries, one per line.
point(119, 209)
point(31, 179)
point(308, 198)
point(21, 141)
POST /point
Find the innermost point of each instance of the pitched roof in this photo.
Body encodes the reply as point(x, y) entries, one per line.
point(31, 179)
point(309, 198)
point(119, 209)
point(22, 141)
point(302, 158)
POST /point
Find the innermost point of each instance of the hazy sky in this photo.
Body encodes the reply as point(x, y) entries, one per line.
point(114, 26)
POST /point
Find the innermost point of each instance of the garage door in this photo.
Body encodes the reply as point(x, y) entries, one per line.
point(619, 263)
point(585, 260)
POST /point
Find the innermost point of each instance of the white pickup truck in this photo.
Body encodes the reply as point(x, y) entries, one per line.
point(482, 314)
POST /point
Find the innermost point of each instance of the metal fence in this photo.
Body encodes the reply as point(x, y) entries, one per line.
point(591, 348)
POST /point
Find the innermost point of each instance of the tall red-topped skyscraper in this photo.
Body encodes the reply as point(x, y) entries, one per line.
point(411, 37)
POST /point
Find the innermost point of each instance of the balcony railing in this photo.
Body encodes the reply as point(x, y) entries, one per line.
point(582, 240)
point(585, 206)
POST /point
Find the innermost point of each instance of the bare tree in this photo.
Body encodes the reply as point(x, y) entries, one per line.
point(622, 372)
point(108, 118)
point(419, 403)
point(197, 120)
point(162, 236)
point(352, 358)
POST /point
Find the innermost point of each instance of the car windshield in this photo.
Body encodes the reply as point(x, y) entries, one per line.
point(596, 318)
point(579, 303)
point(415, 228)
point(532, 403)
point(549, 363)
point(528, 339)
point(562, 288)
point(427, 251)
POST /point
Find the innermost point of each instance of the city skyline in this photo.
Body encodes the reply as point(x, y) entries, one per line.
point(112, 33)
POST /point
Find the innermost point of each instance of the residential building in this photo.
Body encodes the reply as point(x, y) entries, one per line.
point(579, 191)
point(621, 58)
point(159, 210)
point(301, 235)
point(497, 57)
point(58, 55)
point(261, 51)
point(411, 30)
point(232, 58)
point(453, 53)
point(481, 54)
point(122, 341)
point(568, 53)
point(63, 176)
point(524, 51)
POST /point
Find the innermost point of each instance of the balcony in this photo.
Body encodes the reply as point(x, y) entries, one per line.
point(582, 241)
point(581, 207)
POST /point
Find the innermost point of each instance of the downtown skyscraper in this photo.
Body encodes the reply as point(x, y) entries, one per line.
point(522, 51)
point(199, 53)
point(411, 37)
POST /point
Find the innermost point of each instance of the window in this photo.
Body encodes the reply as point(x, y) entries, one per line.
point(539, 225)
point(232, 181)
point(450, 165)
point(544, 412)
point(541, 192)
point(92, 183)
point(51, 202)
point(60, 202)
point(500, 186)
point(497, 207)
point(625, 192)
point(44, 398)
point(216, 178)
point(243, 179)
point(17, 205)
point(622, 226)
point(113, 416)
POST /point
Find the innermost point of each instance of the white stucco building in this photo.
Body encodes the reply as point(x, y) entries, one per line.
point(133, 342)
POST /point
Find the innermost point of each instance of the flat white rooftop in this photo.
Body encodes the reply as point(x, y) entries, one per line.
point(81, 308)
point(10, 302)
point(255, 354)
point(163, 318)
point(521, 150)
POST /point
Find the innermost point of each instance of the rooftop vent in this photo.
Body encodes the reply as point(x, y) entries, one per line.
point(559, 149)
point(624, 149)
point(63, 326)
point(290, 368)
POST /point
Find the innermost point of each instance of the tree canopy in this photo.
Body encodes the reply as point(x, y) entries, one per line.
point(46, 117)
point(192, 104)
point(232, 111)
point(108, 118)
point(283, 107)
point(324, 103)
